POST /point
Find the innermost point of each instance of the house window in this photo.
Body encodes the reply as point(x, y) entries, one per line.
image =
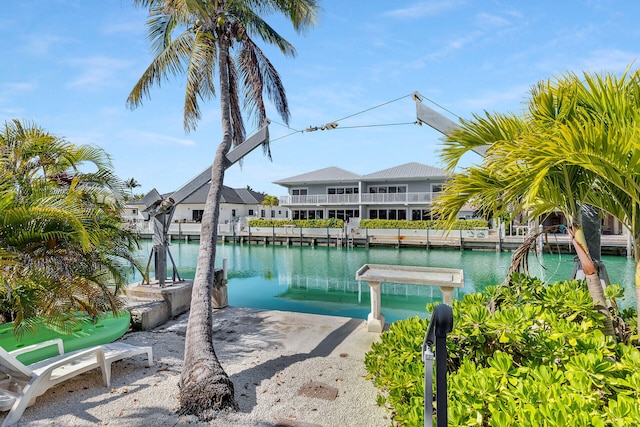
point(250, 212)
point(196, 215)
point(134, 211)
point(400, 214)
point(420, 214)
point(436, 188)
point(388, 189)
point(261, 213)
point(233, 213)
point(307, 214)
point(273, 214)
point(343, 214)
point(342, 190)
point(298, 191)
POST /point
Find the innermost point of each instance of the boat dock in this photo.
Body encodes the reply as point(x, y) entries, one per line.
point(479, 240)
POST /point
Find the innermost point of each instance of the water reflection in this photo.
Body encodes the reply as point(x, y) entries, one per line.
point(322, 280)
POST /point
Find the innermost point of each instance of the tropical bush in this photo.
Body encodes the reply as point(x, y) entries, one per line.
point(62, 249)
point(461, 224)
point(301, 223)
point(525, 354)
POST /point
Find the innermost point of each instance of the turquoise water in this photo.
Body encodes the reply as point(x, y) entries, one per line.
point(321, 280)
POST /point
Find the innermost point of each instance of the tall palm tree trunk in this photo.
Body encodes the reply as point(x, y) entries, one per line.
point(636, 256)
point(591, 277)
point(204, 385)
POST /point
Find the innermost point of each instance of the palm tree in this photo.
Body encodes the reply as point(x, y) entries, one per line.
point(131, 183)
point(600, 141)
point(217, 35)
point(513, 176)
point(63, 249)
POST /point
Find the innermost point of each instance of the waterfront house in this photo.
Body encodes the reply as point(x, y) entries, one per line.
point(236, 205)
point(404, 192)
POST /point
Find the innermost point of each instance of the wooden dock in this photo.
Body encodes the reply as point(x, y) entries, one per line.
point(478, 240)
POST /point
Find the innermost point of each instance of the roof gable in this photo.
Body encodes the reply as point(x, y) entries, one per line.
point(407, 171)
point(330, 174)
point(240, 196)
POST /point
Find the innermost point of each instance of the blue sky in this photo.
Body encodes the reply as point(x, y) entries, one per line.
point(69, 65)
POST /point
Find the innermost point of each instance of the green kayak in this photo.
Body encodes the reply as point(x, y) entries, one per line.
point(107, 329)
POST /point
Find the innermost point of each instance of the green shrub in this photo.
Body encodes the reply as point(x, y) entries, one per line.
point(302, 223)
point(460, 224)
point(526, 354)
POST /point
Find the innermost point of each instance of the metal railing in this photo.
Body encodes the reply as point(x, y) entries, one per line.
point(440, 325)
point(355, 199)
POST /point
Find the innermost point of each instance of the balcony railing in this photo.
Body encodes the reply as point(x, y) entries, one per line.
point(357, 199)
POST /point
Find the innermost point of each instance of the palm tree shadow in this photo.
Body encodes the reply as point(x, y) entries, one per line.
point(246, 381)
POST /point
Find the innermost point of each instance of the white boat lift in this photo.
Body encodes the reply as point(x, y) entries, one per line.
point(375, 274)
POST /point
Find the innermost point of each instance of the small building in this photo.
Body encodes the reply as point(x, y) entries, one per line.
point(235, 203)
point(404, 192)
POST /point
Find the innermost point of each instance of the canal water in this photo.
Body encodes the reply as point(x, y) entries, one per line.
point(321, 280)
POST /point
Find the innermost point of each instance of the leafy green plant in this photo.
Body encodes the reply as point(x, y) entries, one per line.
point(301, 223)
point(526, 354)
point(421, 225)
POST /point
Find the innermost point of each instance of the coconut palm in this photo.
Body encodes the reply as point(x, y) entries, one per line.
point(198, 38)
point(62, 247)
point(512, 178)
point(131, 183)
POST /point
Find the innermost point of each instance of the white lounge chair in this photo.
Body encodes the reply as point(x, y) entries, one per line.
point(118, 351)
point(20, 384)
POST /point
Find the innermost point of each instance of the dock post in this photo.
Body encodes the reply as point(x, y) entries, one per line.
point(427, 237)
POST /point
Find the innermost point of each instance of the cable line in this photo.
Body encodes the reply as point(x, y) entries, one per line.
point(373, 108)
point(334, 124)
point(383, 124)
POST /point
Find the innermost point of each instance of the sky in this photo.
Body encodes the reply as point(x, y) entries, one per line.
point(68, 66)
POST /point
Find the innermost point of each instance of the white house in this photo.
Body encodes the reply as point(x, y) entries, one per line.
point(235, 203)
point(404, 192)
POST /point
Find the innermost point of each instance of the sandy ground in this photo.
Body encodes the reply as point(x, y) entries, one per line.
point(269, 355)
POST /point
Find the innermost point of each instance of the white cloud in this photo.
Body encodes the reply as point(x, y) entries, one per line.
point(610, 60)
point(97, 72)
point(493, 101)
point(422, 9)
point(11, 96)
point(488, 21)
point(42, 44)
point(9, 90)
point(151, 138)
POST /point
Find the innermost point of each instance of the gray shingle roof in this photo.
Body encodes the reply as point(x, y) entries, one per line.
point(240, 196)
point(407, 171)
point(330, 174)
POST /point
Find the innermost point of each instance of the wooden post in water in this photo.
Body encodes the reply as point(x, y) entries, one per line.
point(427, 237)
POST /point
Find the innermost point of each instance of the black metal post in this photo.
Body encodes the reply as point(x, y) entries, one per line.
point(440, 325)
